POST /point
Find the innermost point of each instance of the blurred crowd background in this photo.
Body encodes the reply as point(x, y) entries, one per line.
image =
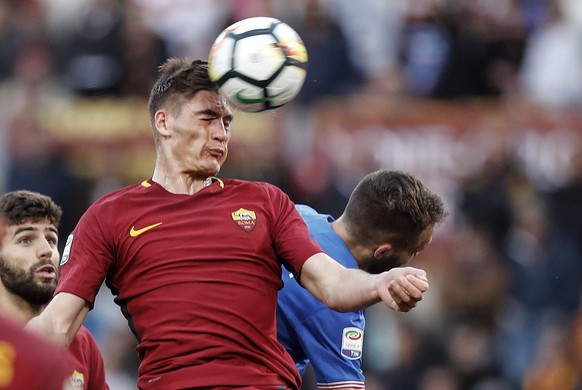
point(481, 99)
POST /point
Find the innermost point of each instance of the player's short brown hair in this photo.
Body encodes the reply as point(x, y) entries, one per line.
point(179, 79)
point(19, 206)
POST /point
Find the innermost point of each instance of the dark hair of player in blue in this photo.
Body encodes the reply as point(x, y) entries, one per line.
point(393, 205)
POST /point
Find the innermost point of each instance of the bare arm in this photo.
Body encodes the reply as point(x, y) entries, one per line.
point(61, 319)
point(344, 289)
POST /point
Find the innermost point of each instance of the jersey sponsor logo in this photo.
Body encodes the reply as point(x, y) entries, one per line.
point(352, 343)
point(67, 250)
point(136, 232)
point(245, 219)
point(77, 380)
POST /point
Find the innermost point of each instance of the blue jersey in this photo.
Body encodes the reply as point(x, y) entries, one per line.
point(310, 331)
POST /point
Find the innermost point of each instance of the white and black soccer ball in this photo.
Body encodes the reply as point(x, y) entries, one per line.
point(259, 63)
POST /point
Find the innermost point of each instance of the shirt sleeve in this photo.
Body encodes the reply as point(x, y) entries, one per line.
point(333, 342)
point(86, 258)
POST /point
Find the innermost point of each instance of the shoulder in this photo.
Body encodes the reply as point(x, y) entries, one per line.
point(124, 192)
point(84, 333)
point(256, 188)
point(120, 198)
point(306, 211)
point(84, 338)
point(312, 216)
point(239, 183)
point(87, 361)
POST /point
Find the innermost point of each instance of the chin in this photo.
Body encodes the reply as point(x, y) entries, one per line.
point(214, 169)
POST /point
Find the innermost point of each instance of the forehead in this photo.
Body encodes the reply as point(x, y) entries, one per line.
point(210, 100)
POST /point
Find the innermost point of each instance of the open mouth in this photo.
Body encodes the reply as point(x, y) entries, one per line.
point(46, 272)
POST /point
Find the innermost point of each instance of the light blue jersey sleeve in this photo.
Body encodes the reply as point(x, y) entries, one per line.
point(331, 341)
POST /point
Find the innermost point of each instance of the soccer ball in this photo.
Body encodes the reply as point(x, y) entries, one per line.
point(259, 64)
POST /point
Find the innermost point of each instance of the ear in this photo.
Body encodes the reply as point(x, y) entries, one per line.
point(161, 122)
point(382, 251)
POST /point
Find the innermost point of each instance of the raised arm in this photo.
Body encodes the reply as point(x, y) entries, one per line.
point(61, 319)
point(344, 289)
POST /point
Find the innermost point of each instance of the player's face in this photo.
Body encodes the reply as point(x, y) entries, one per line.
point(29, 259)
point(392, 259)
point(200, 134)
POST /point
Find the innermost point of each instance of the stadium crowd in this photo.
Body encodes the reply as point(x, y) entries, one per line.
point(503, 311)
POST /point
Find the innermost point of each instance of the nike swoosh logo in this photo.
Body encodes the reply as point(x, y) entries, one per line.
point(244, 100)
point(135, 233)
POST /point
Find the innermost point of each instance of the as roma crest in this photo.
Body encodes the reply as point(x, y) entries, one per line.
point(245, 219)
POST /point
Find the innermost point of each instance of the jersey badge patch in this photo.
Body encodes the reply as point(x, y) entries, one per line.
point(77, 380)
point(67, 250)
point(352, 343)
point(245, 219)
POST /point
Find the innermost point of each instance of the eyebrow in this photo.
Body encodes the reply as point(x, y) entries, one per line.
point(30, 229)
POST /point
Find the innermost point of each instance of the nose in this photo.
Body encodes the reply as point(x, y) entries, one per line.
point(44, 249)
point(220, 132)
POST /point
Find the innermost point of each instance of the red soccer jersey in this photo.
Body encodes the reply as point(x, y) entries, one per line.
point(88, 368)
point(29, 362)
point(197, 278)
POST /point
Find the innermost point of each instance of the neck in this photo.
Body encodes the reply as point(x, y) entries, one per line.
point(180, 184)
point(357, 248)
point(339, 227)
point(16, 308)
point(178, 178)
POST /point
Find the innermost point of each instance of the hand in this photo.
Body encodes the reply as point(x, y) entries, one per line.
point(402, 288)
